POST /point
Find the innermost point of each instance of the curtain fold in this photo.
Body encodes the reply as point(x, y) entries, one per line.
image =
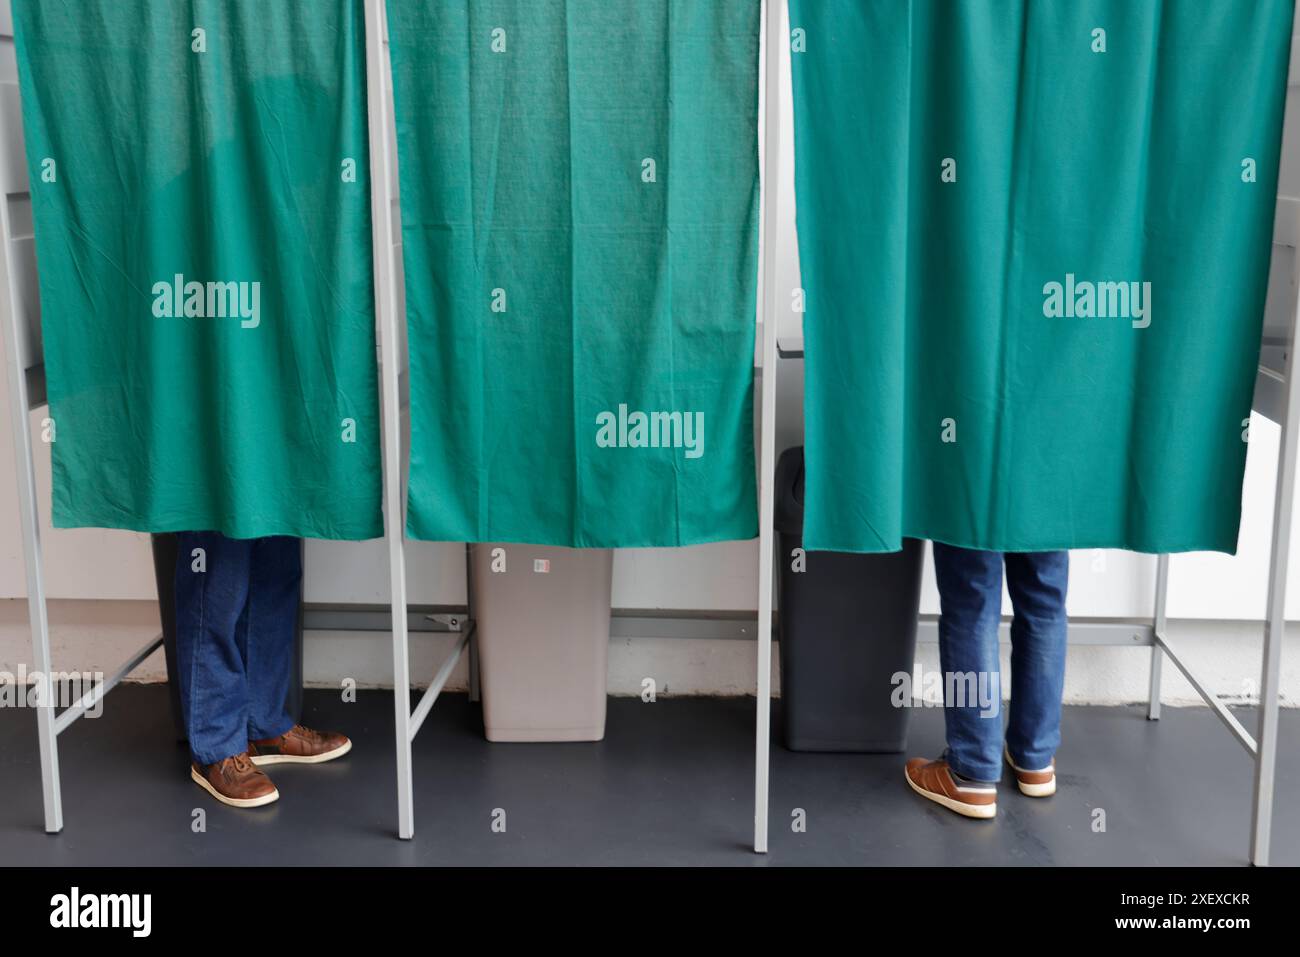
point(200, 193)
point(579, 197)
point(1035, 241)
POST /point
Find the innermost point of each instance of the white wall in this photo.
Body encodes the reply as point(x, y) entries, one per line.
point(116, 565)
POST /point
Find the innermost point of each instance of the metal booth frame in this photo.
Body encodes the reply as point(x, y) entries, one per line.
point(1277, 397)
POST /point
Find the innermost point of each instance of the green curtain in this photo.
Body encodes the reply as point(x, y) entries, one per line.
point(579, 201)
point(1034, 240)
point(200, 190)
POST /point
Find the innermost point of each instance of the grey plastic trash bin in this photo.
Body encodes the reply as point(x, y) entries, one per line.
point(164, 570)
point(542, 626)
point(847, 626)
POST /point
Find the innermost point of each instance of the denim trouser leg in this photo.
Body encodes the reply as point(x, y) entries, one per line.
point(970, 598)
point(1037, 582)
point(211, 594)
point(236, 617)
point(274, 587)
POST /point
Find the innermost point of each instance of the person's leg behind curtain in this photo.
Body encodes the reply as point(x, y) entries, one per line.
point(1037, 582)
point(970, 599)
point(211, 602)
point(274, 589)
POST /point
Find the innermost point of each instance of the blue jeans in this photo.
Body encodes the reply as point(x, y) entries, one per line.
point(970, 600)
point(236, 623)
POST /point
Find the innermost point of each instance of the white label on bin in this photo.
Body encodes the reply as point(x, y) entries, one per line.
point(542, 565)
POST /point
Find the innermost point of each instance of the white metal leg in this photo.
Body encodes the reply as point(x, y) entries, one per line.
point(49, 724)
point(19, 410)
point(1235, 727)
point(401, 697)
point(1275, 624)
point(381, 205)
point(1157, 652)
point(431, 693)
point(96, 694)
point(767, 454)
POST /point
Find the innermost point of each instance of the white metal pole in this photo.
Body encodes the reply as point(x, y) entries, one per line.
point(1261, 816)
point(382, 193)
point(1275, 624)
point(19, 410)
point(1158, 623)
point(767, 441)
point(475, 692)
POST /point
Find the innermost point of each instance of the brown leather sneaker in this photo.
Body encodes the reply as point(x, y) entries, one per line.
point(1037, 784)
point(235, 781)
point(934, 781)
point(300, 745)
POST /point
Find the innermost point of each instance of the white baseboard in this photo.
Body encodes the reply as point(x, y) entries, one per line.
point(96, 635)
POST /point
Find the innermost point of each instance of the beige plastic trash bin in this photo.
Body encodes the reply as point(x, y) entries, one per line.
point(543, 639)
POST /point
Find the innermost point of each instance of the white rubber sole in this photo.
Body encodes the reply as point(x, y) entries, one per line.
point(202, 782)
point(1044, 790)
point(262, 760)
point(978, 811)
point(1038, 790)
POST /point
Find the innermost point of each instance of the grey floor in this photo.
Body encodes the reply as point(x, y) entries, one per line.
point(671, 784)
